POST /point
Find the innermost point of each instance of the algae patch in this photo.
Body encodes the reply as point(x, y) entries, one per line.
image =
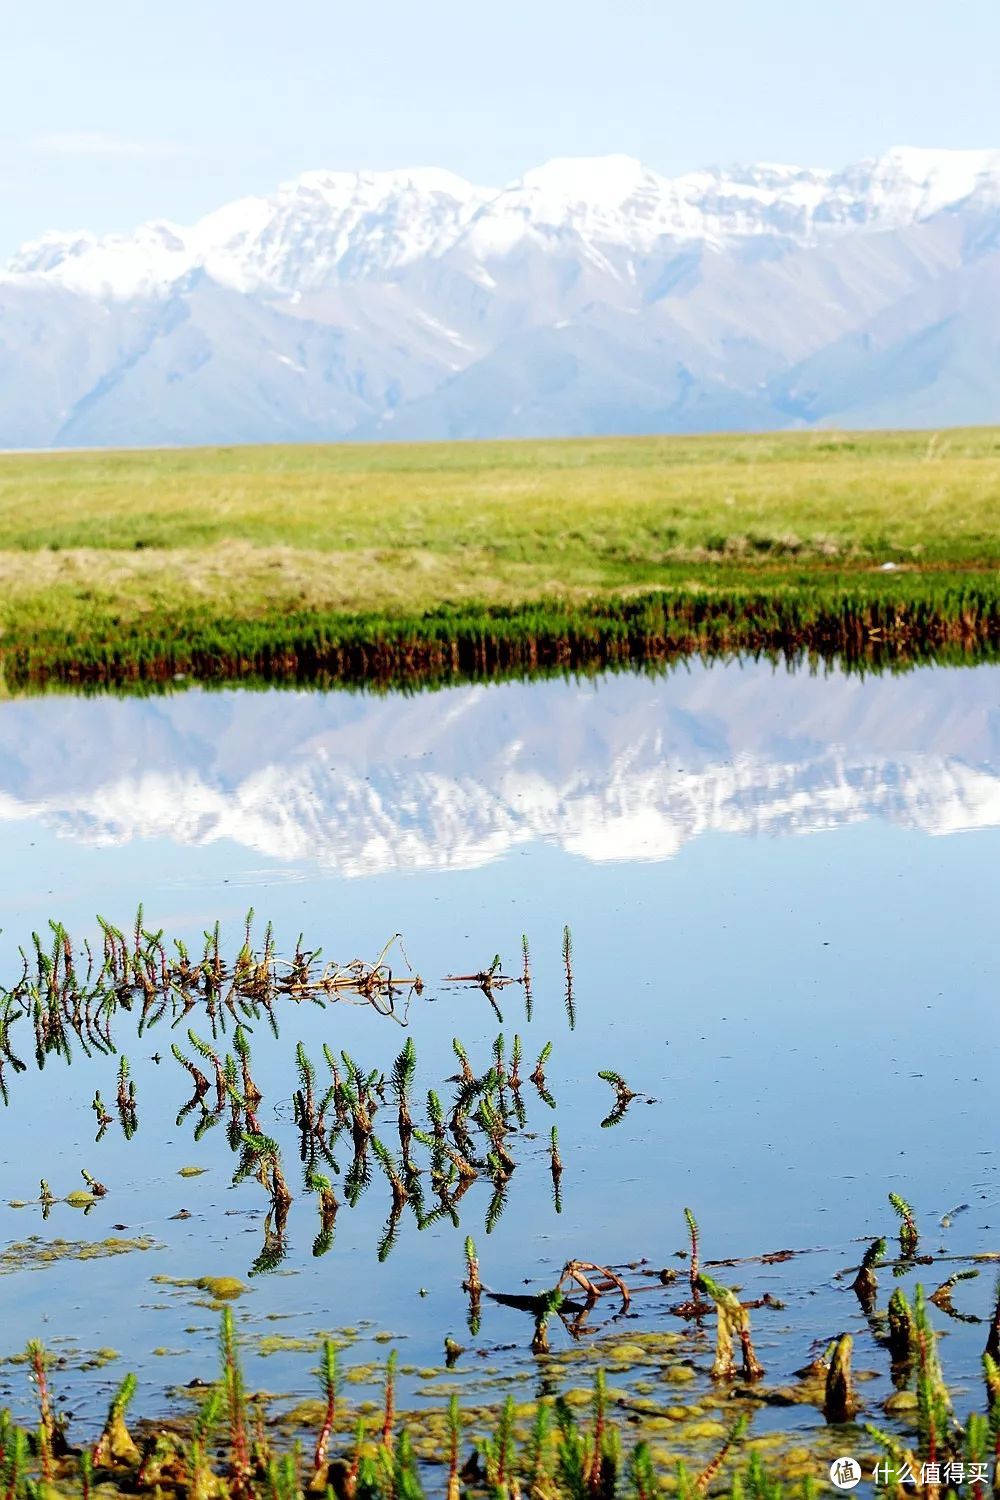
point(80, 1199)
point(283, 1343)
point(219, 1288)
point(35, 1253)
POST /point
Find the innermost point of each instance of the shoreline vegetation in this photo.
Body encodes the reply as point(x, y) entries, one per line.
point(953, 626)
point(575, 1445)
point(415, 565)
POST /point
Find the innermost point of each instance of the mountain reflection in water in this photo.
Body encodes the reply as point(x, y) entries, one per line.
point(622, 768)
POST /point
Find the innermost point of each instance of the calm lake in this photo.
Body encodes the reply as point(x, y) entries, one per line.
point(782, 892)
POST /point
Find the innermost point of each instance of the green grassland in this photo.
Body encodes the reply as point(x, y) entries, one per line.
point(427, 560)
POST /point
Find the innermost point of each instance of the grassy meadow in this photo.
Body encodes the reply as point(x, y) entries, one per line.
point(361, 559)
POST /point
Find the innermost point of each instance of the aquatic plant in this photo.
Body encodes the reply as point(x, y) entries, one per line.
point(236, 1402)
point(126, 1099)
point(497, 1452)
point(567, 953)
point(48, 1432)
point(60, 998)
point(556, 1169)
point(473, 1285)
point(756, 1483)
point(389, 1400)
point(97, 1188)
point(115, 1445)
point(594, 1280)
point(623, 1097)
point(941, 1296)
point(865, 1283)
point(453, 1489)
point(537, 1076)
point(328, 1375)
point(490, 980)
point(941, 1441)
point(526, 976)
point(839, 1401)
point(400, 1194)
point(694, 1267)
point(902, 1331)
point(515, 1083)
point(732, 1321)
point(909, 1235)
point(316, 1182)
point(993, 1338)
point(498, 1202)
point(473, 1138)
point(588, 1460)
point(404, 1071)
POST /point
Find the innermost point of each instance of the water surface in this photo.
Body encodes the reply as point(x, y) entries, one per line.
point(782, 892)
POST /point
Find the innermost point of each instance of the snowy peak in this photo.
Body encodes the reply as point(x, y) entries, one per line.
point(327, 228)
point(909, 183)
point(319, 229)
point(604, 200)
point(616, 201)
point(589, 179)
point(109, 266)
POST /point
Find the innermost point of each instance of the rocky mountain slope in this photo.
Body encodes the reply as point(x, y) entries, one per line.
point(591, 296)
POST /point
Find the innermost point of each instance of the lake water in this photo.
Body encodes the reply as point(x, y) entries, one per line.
point(782, 892)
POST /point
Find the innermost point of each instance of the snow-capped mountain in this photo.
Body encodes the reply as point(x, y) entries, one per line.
point(592, 295)
point(625, 769)
point(321, 229)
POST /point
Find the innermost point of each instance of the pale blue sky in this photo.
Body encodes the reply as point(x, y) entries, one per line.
point(120, 110)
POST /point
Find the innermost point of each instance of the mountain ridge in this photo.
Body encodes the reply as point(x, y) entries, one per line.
point(610, 197)
point(593, 295)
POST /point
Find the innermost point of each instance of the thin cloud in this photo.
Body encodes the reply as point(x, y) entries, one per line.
point(103, 143)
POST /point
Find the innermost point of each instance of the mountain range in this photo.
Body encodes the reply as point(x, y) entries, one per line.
point(625, 769)
point(591, 296)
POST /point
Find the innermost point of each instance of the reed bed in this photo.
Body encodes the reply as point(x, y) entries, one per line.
point(866, 626)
